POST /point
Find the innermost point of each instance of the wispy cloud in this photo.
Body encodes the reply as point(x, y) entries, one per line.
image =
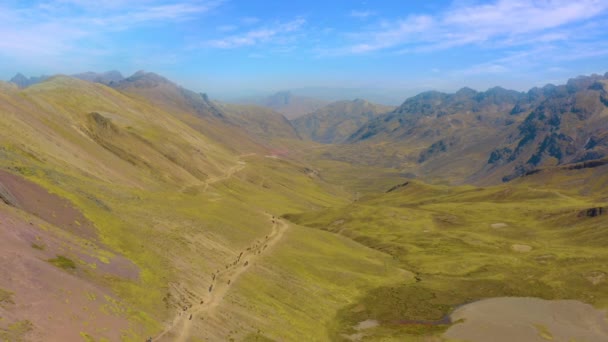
point(501, 22)
point(59, 27)
point(250, 20)
point(227, 28)
point(542, 57)
point(361, 14)
point(268, 34)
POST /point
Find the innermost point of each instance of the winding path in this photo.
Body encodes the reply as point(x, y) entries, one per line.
point(228, 174)
point(179, 329)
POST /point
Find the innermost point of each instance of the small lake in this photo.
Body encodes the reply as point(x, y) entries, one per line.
point(528, 319)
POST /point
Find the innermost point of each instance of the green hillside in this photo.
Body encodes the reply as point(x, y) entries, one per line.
point(142, 209)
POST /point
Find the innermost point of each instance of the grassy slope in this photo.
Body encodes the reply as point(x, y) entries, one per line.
point(140, 176)
point(159, 192)
point(445, 236)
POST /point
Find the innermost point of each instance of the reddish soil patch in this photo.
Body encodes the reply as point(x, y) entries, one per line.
point(36, 200)
point(60, 304)
point(279, 152)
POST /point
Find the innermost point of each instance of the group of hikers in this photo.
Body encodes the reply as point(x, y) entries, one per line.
point(214, 275)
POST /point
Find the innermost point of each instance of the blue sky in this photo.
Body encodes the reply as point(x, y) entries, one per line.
point(238, 47)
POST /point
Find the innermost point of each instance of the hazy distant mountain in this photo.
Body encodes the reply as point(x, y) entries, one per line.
point(337, 121)
point(246, 122)
point(259, 121)
point(23, 82)
point(107, 78)
point(290, 105)
point(165, 93)
point(385, 96)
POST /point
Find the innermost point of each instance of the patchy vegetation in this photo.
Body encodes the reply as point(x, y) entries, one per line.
point(63, 262)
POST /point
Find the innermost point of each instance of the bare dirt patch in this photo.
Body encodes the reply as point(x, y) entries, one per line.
point(30, 197)
point(360, 327)
point(508, 319)
point(37, 201)
point(53, 303)
point(499, 225)
point(596, 277)
point(521, 248)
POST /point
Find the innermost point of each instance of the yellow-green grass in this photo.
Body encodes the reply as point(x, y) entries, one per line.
point(294, 292)
point(459, 242)
point(160, 194)
point(16, 332)
point(5, 297)
point(177, 236)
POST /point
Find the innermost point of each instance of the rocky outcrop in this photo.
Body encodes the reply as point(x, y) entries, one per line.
point(565, 124)
point(398, 186)
point(593, 212)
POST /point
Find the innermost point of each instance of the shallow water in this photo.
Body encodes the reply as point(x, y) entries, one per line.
point(528, 319)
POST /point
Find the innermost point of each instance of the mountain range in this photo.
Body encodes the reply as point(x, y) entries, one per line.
point(132, 207)
point(288, 104)
point(337, 121)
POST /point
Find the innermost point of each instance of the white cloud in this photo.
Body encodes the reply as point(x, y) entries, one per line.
point(258, 36)
point(57, 27)
point(501, 22)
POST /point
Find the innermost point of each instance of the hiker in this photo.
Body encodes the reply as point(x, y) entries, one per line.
point(190, 316)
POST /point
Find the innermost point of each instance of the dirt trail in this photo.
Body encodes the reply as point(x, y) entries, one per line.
point(555, 192)
point(228, 174)
point(179, 329)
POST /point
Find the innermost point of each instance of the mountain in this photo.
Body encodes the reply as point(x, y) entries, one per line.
point(143, 209)
point(434, 134)
point(565, 124)
point(337, 121)
point(23, 82)
point(167, 94)
point(290, 105)
point(107, 78)
point(116, 206)
point(261, 122)
point(242, 128)
point(466, 108)
point(489, 136)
